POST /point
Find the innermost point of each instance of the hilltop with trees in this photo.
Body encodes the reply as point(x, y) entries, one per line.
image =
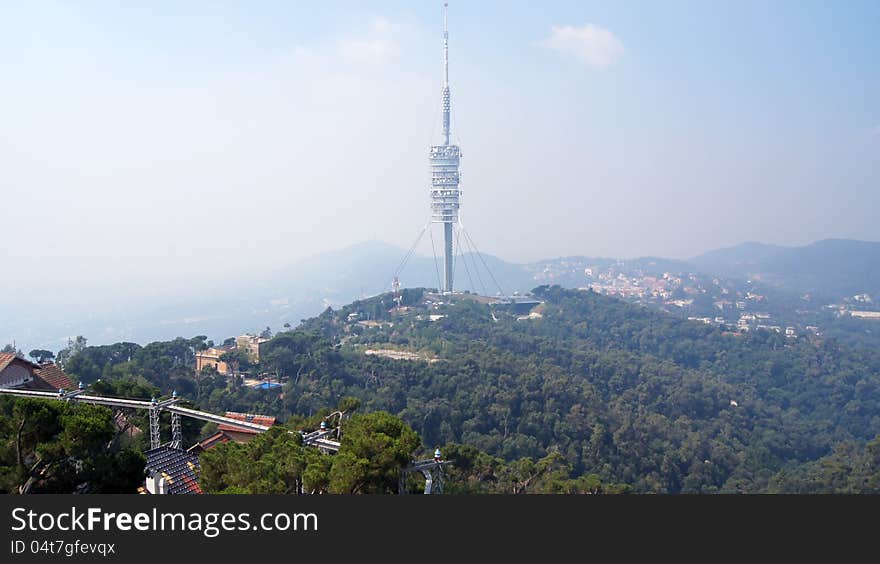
point(585, 393)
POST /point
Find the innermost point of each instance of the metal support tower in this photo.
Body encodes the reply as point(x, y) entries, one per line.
point(395, 286)
point(156, 408)
point(176, 432)
point(432, 470)
point(154, 426)
point(433, 483)
point(445, 174)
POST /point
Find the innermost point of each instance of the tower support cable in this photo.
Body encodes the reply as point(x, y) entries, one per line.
point(472, 252)
point(463, 260)
point(479, 254)
point(436, 267)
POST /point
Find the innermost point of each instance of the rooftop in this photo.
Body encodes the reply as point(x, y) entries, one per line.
point(214, 440)
point(54, 377)
point(265, 420)
point(7, 358)
point(179, 468)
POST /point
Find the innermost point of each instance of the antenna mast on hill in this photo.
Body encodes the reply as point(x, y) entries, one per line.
point(445, 161)
point(445, 174)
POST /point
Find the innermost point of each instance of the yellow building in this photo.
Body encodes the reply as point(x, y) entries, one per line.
point(252, 345)
point(211, 358)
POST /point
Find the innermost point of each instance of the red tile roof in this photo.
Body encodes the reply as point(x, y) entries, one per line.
point(217, 438)
point(190, 485)
point(7, 358)
point(54, 377)
point(265, 420)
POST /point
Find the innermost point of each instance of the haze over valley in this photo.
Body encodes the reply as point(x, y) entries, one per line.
point(830, 273)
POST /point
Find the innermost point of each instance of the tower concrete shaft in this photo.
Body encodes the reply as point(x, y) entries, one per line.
point(445, 175)
point(447, 257)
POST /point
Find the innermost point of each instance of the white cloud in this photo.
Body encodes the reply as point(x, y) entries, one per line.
point(370, 51)
point(379, 45)
point(381, 24)
point(302, 51)
point(592, 44)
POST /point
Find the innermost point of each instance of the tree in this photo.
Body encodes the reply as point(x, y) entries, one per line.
point(237, 359)
point(74, 347)
point(348, 404)
point(316, 477)
point(271, 463)
point(40, 355)
point(374, 448)
point(10, 348)
point(267, 333)
point(64, 448)
point(200, 343)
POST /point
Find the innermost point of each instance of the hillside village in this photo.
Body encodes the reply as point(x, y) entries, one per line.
point(735, 305)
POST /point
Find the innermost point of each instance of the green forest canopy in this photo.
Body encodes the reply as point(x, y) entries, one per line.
point(613, 393)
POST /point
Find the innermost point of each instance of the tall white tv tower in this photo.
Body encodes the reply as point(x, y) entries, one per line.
point(445, 175)
point(446, 198)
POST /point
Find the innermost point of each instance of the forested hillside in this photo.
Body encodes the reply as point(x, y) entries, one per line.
point(600, 390)
point(620, 391)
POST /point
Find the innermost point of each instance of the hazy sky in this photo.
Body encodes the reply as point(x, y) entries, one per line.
point(144, 143)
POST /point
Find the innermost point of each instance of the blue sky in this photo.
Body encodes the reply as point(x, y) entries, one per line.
point(143, 134)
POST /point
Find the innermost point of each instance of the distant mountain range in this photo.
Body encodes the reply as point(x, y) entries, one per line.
point(833, 268)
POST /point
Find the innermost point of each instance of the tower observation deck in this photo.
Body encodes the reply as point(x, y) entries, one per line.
point(445, 175)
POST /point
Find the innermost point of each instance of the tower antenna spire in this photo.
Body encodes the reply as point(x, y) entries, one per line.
point(447, 97)
point(446, 44)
